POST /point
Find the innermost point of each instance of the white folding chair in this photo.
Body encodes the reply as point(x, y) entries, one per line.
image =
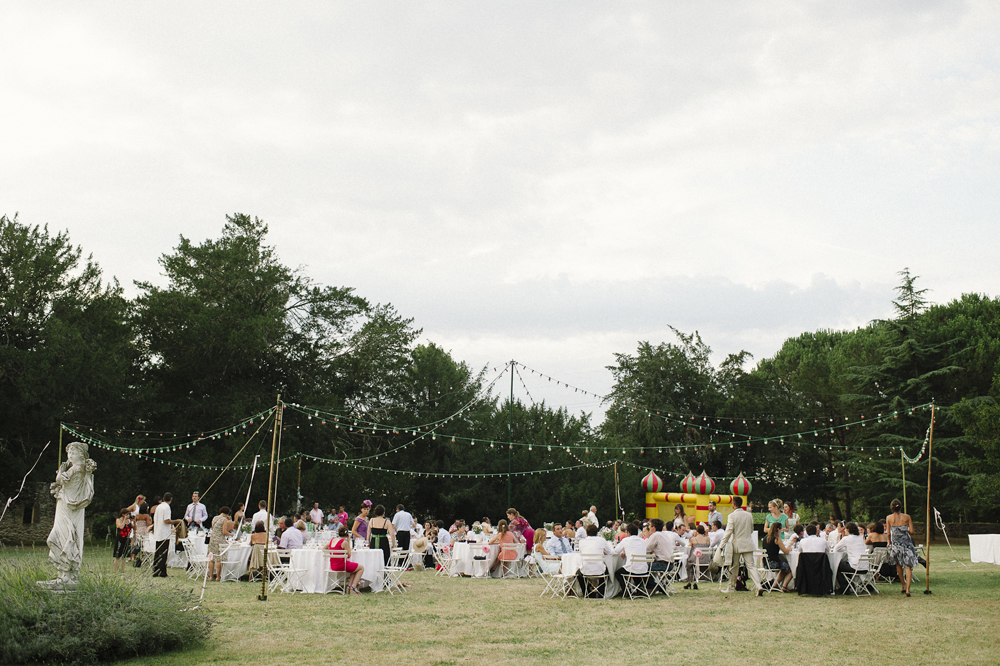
point(875, 568)
point(636, 583)
point(197, 563)
point(595, 584)
point(768, 576)
point(442, 555)
point(557, 585)
point(399, 562)
point(336, 581)
point(701, 564)
point(510, 568)
point(863, 577)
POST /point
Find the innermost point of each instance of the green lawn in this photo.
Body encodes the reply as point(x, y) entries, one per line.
point(472, 621)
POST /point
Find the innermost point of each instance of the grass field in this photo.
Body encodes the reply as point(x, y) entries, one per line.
point(471, 621)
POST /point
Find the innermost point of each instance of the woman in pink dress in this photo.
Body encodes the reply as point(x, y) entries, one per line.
point(520, 526)
point(502, 537)
point(342, 563)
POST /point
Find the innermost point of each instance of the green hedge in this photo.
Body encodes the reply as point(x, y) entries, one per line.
point(109, 617)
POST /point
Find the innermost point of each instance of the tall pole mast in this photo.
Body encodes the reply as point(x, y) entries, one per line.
point(510, 432)
point(927, 534)
point(270, 497)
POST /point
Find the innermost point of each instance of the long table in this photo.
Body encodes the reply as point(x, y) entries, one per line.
point(833, 557)
point(313, 563)
point(464, 562)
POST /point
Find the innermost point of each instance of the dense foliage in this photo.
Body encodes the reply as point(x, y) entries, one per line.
point(108, 618)
point(233, 327)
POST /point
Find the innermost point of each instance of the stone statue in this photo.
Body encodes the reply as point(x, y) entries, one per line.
point(73, 490)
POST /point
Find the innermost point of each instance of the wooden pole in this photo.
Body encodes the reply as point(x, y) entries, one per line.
point(927, 535)
point(59, 463)
point(902, 464)
point(270, 496)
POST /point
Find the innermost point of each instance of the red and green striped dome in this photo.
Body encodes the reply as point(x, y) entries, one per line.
point(687, 485)
point(704, 485)
point(652, 483)
point(740, 486)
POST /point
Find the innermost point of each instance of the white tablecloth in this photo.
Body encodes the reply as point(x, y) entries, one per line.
point(571, 563)
point(463, 559)
point(234, 561)
point(315, 562)
point(834, 559)
point(984, 548)
point(175, 559)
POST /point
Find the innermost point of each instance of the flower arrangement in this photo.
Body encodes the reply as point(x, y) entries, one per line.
point(477, 527)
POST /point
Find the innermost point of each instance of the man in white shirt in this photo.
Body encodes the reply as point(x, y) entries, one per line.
point(714, 515)
point(261, 516)
point(854, 545)
point(813, 543)
point(161, 534)
point(592, 545)
point(443, 535)
point(628, 547)
point(581, 530)
point(715, 535)
point(316, 515)
point(196, 513)
point(591, 518)
point(417, 530)
point(832, 535)
point(403, 522)
point(558, 544)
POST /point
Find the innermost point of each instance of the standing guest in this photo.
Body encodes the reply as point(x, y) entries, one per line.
point(222, 527)
point(520, 526)
point(443, 535)
point(332, 521)
point(902, 552)
point(161, 534)
point(680, 518)
point(238, 515)
point(261, 516)
point(699, 543)
point(381, 533)
point(774, 516)
point(854, 546)
point(360, 528)
point(342, 563)
point(629, 547)
point(775, 548)
point(196, 513)
point(316, 515)
point(143, 522)
point(791, 518)
point(403, 522)
point(739, 532)
point(713, 514)
point(342, 515)
point(123, 539)
point(591, 518)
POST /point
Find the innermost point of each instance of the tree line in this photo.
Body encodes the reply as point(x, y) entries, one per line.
point(822, 422)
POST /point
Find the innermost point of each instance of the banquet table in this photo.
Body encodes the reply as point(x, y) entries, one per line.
point(313, 563)
point(834, 559)
point(571, 563)
point(176, 559)
point(984, 548)
point(234, 560)
point(463, 560)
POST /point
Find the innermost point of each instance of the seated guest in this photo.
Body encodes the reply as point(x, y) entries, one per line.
point(854, 546)
point(689, 531)
point(832, 534)
point(486, 525)
point(876, 536)
point(775, 548)
point(259, 535)
point(797, 533)
point(354, 570)
point(581, 531)
point(699, 543)
point(294, 537)
point(547, 562)
point(443, 535)
point(592, 545)
point(716, 533)
point(558, 544)
point(662, 543)
point(283, 525)
point(813, 543)
point(629, 547)
point(504, 537)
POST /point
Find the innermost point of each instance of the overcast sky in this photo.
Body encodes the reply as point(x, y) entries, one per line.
point(548, 182)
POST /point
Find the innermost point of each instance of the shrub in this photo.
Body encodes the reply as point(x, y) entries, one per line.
point(109, 617)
